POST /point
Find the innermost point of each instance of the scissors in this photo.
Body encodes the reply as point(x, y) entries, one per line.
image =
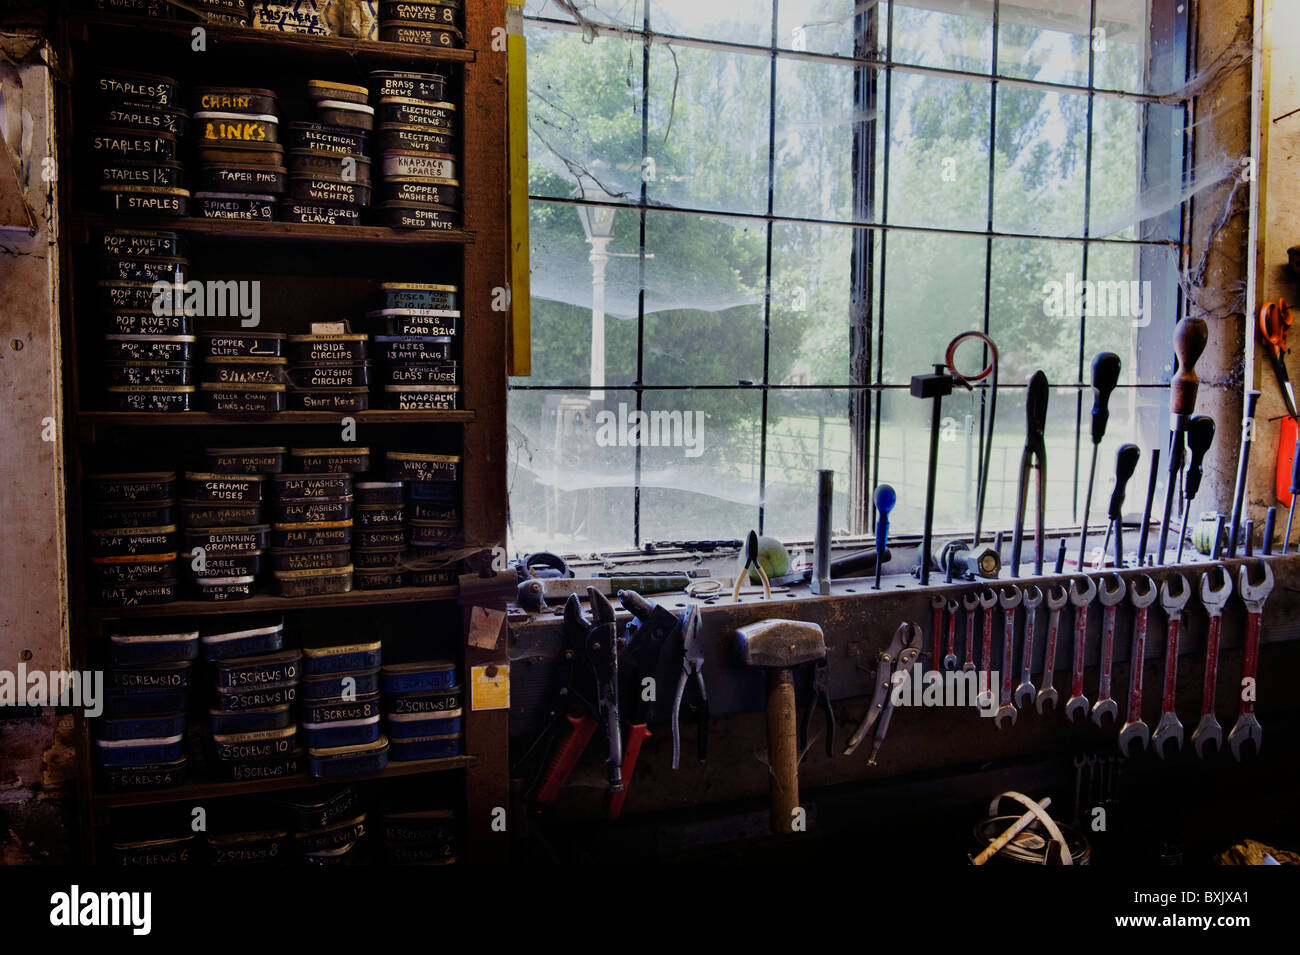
point(1274, 322)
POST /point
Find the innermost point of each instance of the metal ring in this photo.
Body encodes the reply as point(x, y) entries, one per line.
point(988, 369)
point(704, 587)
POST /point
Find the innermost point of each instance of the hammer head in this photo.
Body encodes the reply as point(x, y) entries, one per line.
point(780, 643)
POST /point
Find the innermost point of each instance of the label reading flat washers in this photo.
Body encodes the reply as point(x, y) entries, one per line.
point(490, 687)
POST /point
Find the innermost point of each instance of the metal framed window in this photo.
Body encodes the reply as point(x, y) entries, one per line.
point(762, 218)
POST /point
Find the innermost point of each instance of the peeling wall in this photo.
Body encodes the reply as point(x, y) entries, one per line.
point(37, 792)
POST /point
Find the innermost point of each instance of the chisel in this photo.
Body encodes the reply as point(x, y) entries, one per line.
point(1152, 477)
point(1126, 462)
point(1190, 338)
point(1200, 435)
point(1105, 376)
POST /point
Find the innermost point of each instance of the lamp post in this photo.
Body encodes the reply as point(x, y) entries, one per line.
point(598, 225)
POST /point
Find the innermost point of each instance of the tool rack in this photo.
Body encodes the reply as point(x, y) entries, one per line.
point(307, 270)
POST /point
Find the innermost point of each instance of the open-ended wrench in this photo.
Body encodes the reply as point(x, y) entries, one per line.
point(1169, 729)
point(1134, 729)
point(988, 600)
point(1082, 599)
point(937, 604)
point(1047, 695)
point(950, 658)
point(1208, 729)
point(970, 601)
point(1010, 599)
point(1247, 728)
point(1025, 690)
point(1110, 599)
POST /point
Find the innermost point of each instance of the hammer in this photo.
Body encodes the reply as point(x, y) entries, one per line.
point(779, 646)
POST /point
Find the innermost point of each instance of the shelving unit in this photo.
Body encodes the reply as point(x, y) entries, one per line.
point(317, 272)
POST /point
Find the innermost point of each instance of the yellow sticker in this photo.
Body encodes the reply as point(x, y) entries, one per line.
point(490, 687)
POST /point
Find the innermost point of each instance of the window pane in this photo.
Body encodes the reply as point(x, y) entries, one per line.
point(806, 432)
point(734, 22)
point(1131, 312)
point(1038, 180)
point(570, 488)
point(1116, 167)
point(609, 12)
point(708, 143)
point(1033, 310)
point(959, 39)
point(1120, 49)
point(938, 158)
point(1044, 40)
point(822, 26)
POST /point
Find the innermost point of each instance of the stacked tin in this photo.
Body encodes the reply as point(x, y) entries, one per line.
point(240, 157)
point(422, 710)
point(419, 835)
point(224, 534)
point(311, 527)
point(255, 682)
point(154, 9)
point(136, 144)
point(418, 370)
point(329, 370)
point(243, 372)
point(328, 161)
point(139, 739)
point(329, 827)
point(134, 544)
point(341, 709)
point(432, 513)
point(419, 188)
point(421, 22)
point(228, 12)
point(379, 541)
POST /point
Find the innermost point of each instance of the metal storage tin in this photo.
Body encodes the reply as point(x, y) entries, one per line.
point(427, 555)
point(324, 558)
point(228, 540)
point(380, 515)
point(144, 514)
point(248, 770)
point(363, 706)
point(419, 677)
point(414, 112)
point(242, 100)
point(378, 537)
point(138, 268)
point(342, 92)
point(319, 190)
point(249, 847)
point(135, 649)
point(256, 698)
point(395, 349)
point(334, 761)
point(141, 243)
point(420, 295)
point(312, 583)
point(141, 727)
point(148, 374)
point(143, 116)
point(399, 31)
point(135, 595)
point(244, 178)
point(371, 493)
point(236, 399)
point(244, 642)
point(439, 854)
point(307, 349)
point(145, 200)
point(320, 809)
point(400, 163)
point(172, 675)
point(133, 541)
point(426, 747)
point(255, 744)
point(297, 486)
point(145, 322)
point(417, 322)
point(204, 514)
point(409, 725)
point(433, 532)
point(405, 137)
point(128, 85)
point(242, 344)
point(150, 347)
point(331, 375)
point(153, 776)
point(268, 460)
point(441, 492)
point(377, 558)
point(330, 399)
point(379, 579)
point(202, 486)
point(335, 836)
point(313, 510)
point(259, 370)
point(220, 129)
point(270, 155)
point(251, 721)
point(225, 588)
point(111, 144)
point(270, 669)
point(422, 397)
point(434, 511)
point(421, 11)
point(321, 137)
point(153, 9)
point(319, 214)
point(120, 705)
point(235, 205)
point(422, 373)
point(434, 701)
point(331, 460)
point(341, 732)
point(312, 162)
point(144, 569)
point(441, 192)
point(132, 296)
point(414, 215)
point(228, 566)
point(420, 467)
point(422, 86)
point(419, 826)
point(152, 399)
point(331, 686)
point(167, 174)
point(346, 115)
point(311, 535)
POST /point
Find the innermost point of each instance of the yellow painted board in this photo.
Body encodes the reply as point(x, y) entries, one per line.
point(520, 358)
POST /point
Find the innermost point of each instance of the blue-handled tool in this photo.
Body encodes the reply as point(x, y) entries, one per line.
point(885, 501)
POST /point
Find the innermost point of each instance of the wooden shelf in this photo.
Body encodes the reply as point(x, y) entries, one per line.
point(209, 789)
point(182, 418)
point(235, 230)
point(263, 603)
point(247, 39)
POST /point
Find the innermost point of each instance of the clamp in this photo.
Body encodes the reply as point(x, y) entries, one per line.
point(899, 655)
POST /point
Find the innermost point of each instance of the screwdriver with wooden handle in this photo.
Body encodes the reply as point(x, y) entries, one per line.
point(1105, 376)
point(1200, 435)
point(1190, 338)
point(1126, 462)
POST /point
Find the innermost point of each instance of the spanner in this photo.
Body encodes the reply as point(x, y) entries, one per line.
point(1169, 729)
point(1247, 728)
point(950, 658)
point(970, 601)
point(1082, 599)
point(1208, 729)
point(1134, 728)
point(1025, 690)
point(988, 600)
point(1047, 693)
point(937, 604)
point(1009, 601)
point(1110, 599)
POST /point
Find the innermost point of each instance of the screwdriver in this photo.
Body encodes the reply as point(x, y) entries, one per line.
point(1105, 376)
point(885, 500)
point(1190, 338)
point(1200, 435)
point(1126, 462)
point(1153, 475)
